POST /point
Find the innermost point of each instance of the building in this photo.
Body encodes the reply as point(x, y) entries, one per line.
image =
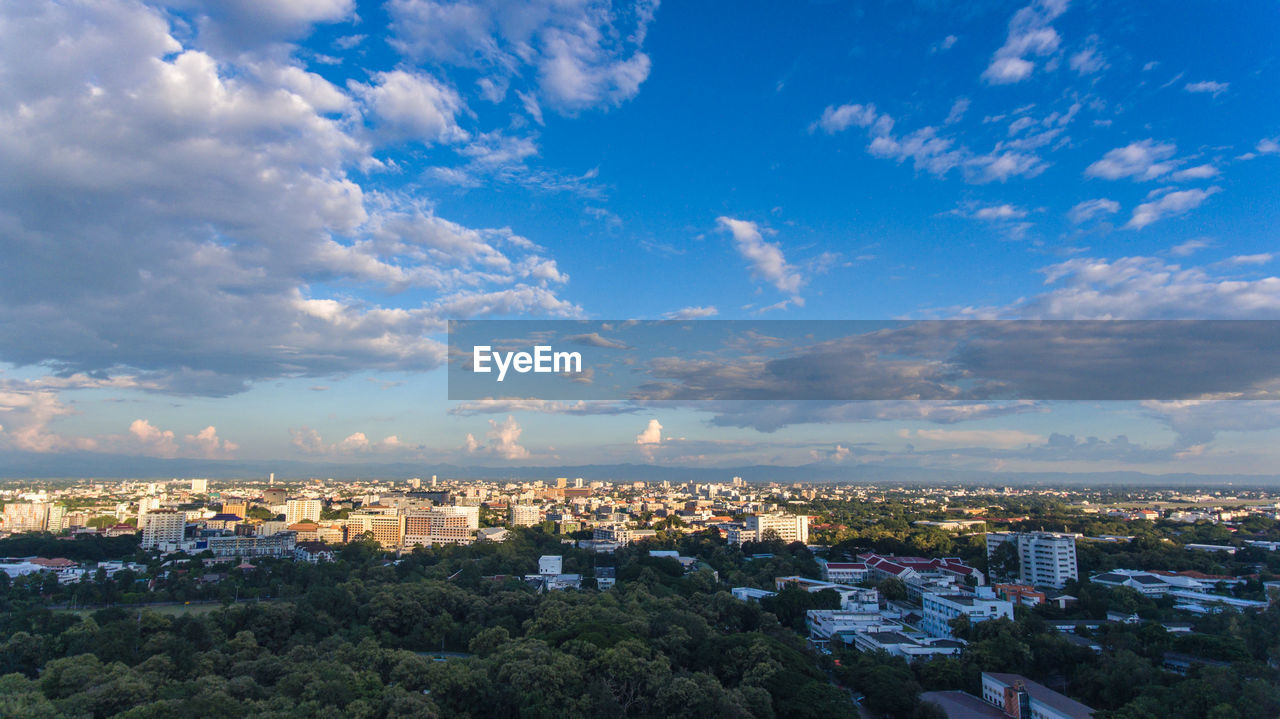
point(759, 527)
point(843, 572)
point(274, 497)
point(163, 529)
point(621, 535)
point(238, 507)
point(298, 510)
point(525, 515)
point(199, 486)
point(26, 516)
point(1021, 594)
point(281, 544)
point(940, 609)
point(387, 528)
point(1044, 558)
point(431, 527)
point(1018, 696)
point(851, 598)
point(470, 511)
point(551, 577)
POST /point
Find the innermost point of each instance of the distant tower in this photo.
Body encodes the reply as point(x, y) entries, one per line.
point(272, 479)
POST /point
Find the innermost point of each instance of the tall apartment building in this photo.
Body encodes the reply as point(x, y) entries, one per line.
point(432, 527)
point(471, 512)
point(525, 515)
point(238, 507)
point(1044, 558)
point(26, 516)
point(788, 527)
point(199, 486)
point(57, 520)
point(163, 528)
point(297, 510)
point(147, 504)
point(387, 529)
point(274, 497)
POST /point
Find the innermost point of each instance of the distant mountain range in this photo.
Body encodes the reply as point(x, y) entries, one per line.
point(19, 465)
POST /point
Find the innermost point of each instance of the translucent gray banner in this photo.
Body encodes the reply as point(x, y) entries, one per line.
point(966, 360)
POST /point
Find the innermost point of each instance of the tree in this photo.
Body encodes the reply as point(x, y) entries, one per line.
point(1004, 562)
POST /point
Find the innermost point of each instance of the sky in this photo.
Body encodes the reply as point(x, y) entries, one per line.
point(237, 230)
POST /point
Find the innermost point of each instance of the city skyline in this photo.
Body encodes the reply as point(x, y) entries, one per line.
point(235, 231)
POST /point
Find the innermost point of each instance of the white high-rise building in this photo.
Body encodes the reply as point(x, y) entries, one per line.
point(26, 516)
point(163, 528)
point(1044, 558)
point(298, 510)
point(525, 515)
point(145, 505)
point(789, 528)
point(471, 512)
point(199, 486)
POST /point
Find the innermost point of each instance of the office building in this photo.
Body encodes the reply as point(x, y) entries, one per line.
point(433, 527)
point(199, 486)
point(940, 609)
point(26, 516)
point(759, 527)
point(525, 515)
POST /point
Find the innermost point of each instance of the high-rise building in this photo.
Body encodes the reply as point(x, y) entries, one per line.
point(199, 486)
point(387, 528)
point(147, 504)
point(525, 515)
point(57, 518)
point(297, 510)
point(471, 512)
point(274, 497)
point(432, 527)
point(26, 516)
point(562, 482)
point(787, 527)
point(163, 528)
point(238, 507)
point(1044, 558)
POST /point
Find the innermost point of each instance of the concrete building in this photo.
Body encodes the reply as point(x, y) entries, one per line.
point(26, 516)
point(280, 544)
point(163, 529)
point(940, 609)
point(1044, 558)
point(843, 572)
point(1020, 697)
point(199, 486)
point(787, 527)
point(525, 515)
point(428, 528)
point(387, 528)
point(298, 510)
point(470, 512)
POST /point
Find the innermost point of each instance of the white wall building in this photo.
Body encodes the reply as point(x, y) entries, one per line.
point(300, 510)
point(163, 529)
point(940, 609)
point(525, 515)
point(789, 528)
point(1044, 558)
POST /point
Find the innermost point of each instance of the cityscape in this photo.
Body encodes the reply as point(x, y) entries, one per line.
point(621, 359)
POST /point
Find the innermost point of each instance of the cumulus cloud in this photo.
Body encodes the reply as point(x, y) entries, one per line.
point(154, 440)
point(206, 229)
point(1199, 172)
point(504, 439)
point(576, 55)
point(651, 434)
point(765, 258)
point(1168, 204)
point(208, 444)
point(1030, 36)
point(1144, 160)
point(308, 441)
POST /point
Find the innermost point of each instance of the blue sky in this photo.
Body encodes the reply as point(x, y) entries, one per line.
point(235, 230)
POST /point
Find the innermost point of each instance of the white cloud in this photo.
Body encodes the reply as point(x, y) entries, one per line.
point(153, 440)
point(1145, 288)
point(1030, 35)
point(1089, 59)
point(208, 444)
point(766, 258)
point(413, 106)
point(651, 434)
point(1145, 160)
point(1087, 210)
point(1168, 205)
point(837, 119)
point(580, 54)
point(999, 212)
point(207, 231)
point(693, 313)
point(504, 439)
point(1000, 438)
point(1189, 247)
point(1199, 172)
point(1261, 258)
point(1268, 146)
point(958, 109)
point(1208, 86)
